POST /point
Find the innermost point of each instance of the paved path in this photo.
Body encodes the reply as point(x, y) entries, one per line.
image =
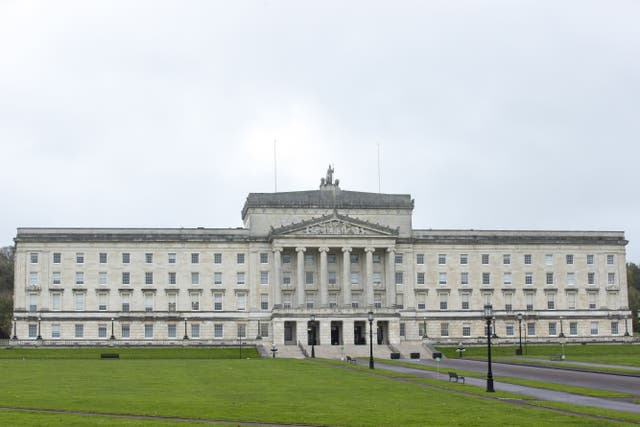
point(585, 364)
point(542, 394)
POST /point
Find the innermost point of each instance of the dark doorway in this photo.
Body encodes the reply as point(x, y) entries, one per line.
point(359, 333)
point(336, 333)
point(290, 333)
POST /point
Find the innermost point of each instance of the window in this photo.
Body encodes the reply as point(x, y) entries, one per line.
point(548, 259)
point(333, 300)
point(377, 301)
point(376, 278)
point(195, 278)
point(591, 278)
point(308, 259)
point(102, 302)
point(242, 330)
point(611, 278)
point(612, 300)
point(148, 258)
point(148, 302)
point(528, 297)
point(355, 278)
point(571, 279)
point(528, 278)
point(509, 329)
point(551, 301)
point(421, 300)
point(569, 259)
point(403, 329)
point(590, 259)
point(332, 277)
point(486, 278)
point(442, 259)
point(527, 259)
point(571, 300)
point(102, 257)
point(217, 330)
point(311, 300)
point(332, 259)
point(217, 302)
point(33, 302)
point(444, 301)
point(78, 330)
point(286, 259)
point(148, 278)
point(241, 301)
point(125, 331)
point(573, 328)
point(126, 257)
point(506, 278)
point(485, 259)
point(549, 278)
point(399, 301)
point(33, 330)
point(126, 278)
point(240, 258)
point(609, 261)
point(55, 330)
point(506, 259)
point(398, 258)
point(355, 259)
point(508, 301)
point(286, 301)
point(614, 328)
point(465, 301)
point(80, 258)
point(33, 257)
point(148, 331)
point(79, 301)
point(56, 301)
point(125, 303)
point(195, 301)
point(57, 257)
point(217, 278)
point(195, 330)
point(594, 328)
point(442, 278)
point(172, 302)
point(264, 330)
point(172, 331)
point(308, 277)
point(286, 278)
point(466, 330)
point(102, 278)
point(531, 329)
point(464, 278)
point(33, 278)
point(420, 259)
point(171, 258)
point(102, 330)
point(264, 258)
point(420, 278)
point(172, 278)
point(79, 278)
point(264, 302)
point(195, 258)
point(444, 329)
point(217, 258)
point(592, 300)
point(399, 278)
point(264, 277)
point(552, 329)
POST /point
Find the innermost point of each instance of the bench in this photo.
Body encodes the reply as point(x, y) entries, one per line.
point(455, 377)
point(557, 357)
point(351, 360)
point(109, 356)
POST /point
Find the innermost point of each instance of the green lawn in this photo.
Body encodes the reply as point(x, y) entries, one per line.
point(614, 354)
point(129, 353)
point(261, 390)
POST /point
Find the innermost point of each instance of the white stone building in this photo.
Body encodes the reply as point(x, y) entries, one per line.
point(331, 253)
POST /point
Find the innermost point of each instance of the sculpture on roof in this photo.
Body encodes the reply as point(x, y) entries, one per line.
point(328, 180)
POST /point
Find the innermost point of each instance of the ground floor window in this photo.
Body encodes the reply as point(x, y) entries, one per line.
point(594, 328)
point(403, 330)
point(242, 330)
point(614, 328)
point(573, 328)
point(79, 331)
point(148, 331)
point(217, 330)
point(55, 330)
point(172, 330)
point(444, 329)
point(102, 331)
point(466, 330)
point(553, 329)
point(264, 330)
point(531, 329)
point(125, 331)
point(509, 329)
point(195, 330)
point(33, 330)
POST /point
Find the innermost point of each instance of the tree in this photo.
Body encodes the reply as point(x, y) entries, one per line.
point(633, 284)
point(6, 290)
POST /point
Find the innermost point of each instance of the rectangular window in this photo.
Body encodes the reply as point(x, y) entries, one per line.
point(376, 278)
point(528, 298)
point(79, 278)
point(355, 259)
point(614, 328)
point(399, 278)
point(571, 300)
point(442, 278)
point(332, 277)
point(195, 330)
point(172, 302)
point(308, 259)
point(590, 259)
point(264, 330)
point(552, 329)
point(465, 301)
point(485, 259)
point(78, 330)
point(464, 260)
point(57, 257)
point(102, 302)
point(528, 278)
point(549, 278)
point(172, 278)
point(486, 278)
point(420, 259)
point(286, 259)
point(33, 330)
point(594, 328)
point(242, 330)
point(102, 330)
point(102, 278)
point(56, 301)
point(508, 301)
point(333, 300)
point(464, 278)
point(103, 257)
point(591, 278)
point(286, 278)
point(171, 258)
point(33, 278)
point(125, 303)
point(573, 328)
point(241, 301)
point(332, 259)
point(217, 258)
point(420, 278)
point(569, 259)
point(509, 329)
point(148, 302)
point(444, 301)
point(609, 259)
point(264, 302)
point(377, 301)
point(217, 278)
point(33, 303)
point(218, 330)
point(195, 278)
point(33, 257)
point(611, 278)
point(571, 279)
point(399, 301)
point(398, 258)
point(442, 259)
point(148, 331)
point(172, 330)
point(466, 330)
point(239, 258)
point(55, 330)
point(548, 259)
point(79, 301)
point(126, 257)
point(527, 259)
point(355, 278)
point(264, 277)
point(148, 278)
point(311, 300)
point(125, 331)
point(592, 300)
point(264, 258)
point(195, 258)
point(506, 278)
point(506, 259)
point(403, 328)
point(217, 302)
point(195, 301)
point(444, 329)
point(551, 301)
point(308, 277)
point(531, 329)
point(80, 258)
point(421, 300)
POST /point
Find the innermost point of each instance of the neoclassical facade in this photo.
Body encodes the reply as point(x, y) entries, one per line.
point(329, 253)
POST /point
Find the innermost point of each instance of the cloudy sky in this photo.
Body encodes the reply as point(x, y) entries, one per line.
point(491, 114)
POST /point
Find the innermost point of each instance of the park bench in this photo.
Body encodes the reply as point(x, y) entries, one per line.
point(109, 356)
point(351, 360)
point(557, 357)
point(455, 377)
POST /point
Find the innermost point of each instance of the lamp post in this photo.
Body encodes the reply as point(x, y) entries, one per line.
point(185, 337)
point(519, 352)
point(460, 350)
point(424, 325)
point(488, 315)
point(273, 350)
point(112, 337)
point(312, 329)
point(39, 337)
point(561, 329)
point(626, 327)
point(371, 340)
point(493, 334)
point(15, 326)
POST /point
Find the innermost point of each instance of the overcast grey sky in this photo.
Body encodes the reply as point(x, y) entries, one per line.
point(491, 114)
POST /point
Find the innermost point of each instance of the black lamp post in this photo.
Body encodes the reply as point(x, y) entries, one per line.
point(371, 340)
point(313, 335)
point(39, 337)
point(273, 350)
point(488, 315)
point(112, 337)
point(424, 325)
point(520, 334)
point(15, 326)
point(626, 327)
point(185, 337)
point(561, 328)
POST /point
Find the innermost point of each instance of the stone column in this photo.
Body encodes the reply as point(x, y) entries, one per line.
point(300, 277)
point(346, 281)
point(277, 276)
point(391, 277)
point(368, 284)
point(323, 276)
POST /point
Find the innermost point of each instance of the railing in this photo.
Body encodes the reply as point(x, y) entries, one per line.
point(303, 349)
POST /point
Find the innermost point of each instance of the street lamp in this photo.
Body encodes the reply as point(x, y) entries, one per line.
point(561, 328)
point(371, 340)
point(488, 315)
point(626, 327)
point(185, 337)
point(519, 352)
point(15, 326)
point(460, 350)
point(112, 337)
point(424, 324)
point(39, 337)
point(273, 350)
point(312, 329)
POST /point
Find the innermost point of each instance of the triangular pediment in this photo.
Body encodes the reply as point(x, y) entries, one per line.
point(334, 225)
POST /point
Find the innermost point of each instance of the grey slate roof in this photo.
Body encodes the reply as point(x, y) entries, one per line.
point(327, 198)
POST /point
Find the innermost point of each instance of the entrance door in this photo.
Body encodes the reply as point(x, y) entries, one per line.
point(290, 333)
point(359, 332)
point(383, 332)
point(313, 333)
point(336, 333)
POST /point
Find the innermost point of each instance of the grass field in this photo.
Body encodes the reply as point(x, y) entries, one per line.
point(130, 353)
point(260, 390)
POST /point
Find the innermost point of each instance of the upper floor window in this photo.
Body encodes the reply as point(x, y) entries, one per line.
point(527, 259)
point(171, 258)
point(195, 258)
point(33, 257)
point(217, 258)
point(80, 258)
point(126, 257)
point(590, 259)
point(486, 278)
point(464, 259)
point(240, 258)
point(442, 259)
point(485, 259)
point(569, 259)
point(264, 258)
point(548, 259)
point(420, 259)
point(148, 258)
point(398, 258)
point(57, 257)
point(506, 259)
point(610, 259)
point(308, 259)
point(103, 257)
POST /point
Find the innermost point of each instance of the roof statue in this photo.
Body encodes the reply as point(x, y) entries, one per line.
point(328, 180)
